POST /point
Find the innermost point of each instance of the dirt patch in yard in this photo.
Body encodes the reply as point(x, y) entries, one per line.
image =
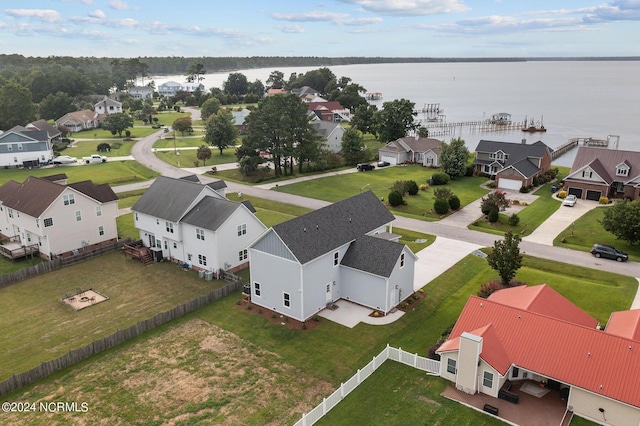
point(194, 373)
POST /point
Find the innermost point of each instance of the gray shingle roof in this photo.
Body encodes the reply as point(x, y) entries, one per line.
point(516, 152)
point(328, 228)
point(374, 255)
point(168, 198)
point(325, 127)
point(210, 213)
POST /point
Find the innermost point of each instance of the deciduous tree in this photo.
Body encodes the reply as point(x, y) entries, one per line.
point(453, 158)
point(55, 106)
point(117, 123)
point(623, 220)
point(16, 107)
point(182, 125)
point(395, 119)
point(353, 148)
point(203, 154)
point(363, 119)
point(220, 130)
point(209, 107)
point(505, 258)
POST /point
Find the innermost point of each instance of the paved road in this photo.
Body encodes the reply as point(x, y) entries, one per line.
point(538, 246)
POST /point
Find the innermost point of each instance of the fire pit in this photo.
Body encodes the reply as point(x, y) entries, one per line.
point(84, 298)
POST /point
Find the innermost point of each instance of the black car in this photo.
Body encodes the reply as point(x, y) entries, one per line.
point(363, 167)
point(608, 252)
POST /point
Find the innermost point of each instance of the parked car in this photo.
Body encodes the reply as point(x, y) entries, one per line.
point(64, 159)
point(608, 252)
point(570, 201)
point(384, 164)
point(95, 158)
point(363, 167)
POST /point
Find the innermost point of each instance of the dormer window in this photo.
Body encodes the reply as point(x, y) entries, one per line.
point(622, 170)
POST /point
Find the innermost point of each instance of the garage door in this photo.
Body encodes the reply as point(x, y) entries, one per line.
point(575, 191)
point(391, 159)
point(509, 184)
point(593, 195)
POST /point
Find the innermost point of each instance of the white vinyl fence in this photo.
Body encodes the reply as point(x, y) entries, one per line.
point(421, 363)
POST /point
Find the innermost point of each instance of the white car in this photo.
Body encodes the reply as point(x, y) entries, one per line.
point(64, 159)
point(570, 201)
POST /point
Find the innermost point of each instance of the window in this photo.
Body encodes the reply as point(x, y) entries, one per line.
point(515, 372)
point(487, 380)
point(336, 258)
point(402, 260)
point(189, 256)
point(136, 216)
point(256, 288)
point(10, 212)
point(98, 210)
point(200, 234)
point(169, 227)
point(587, 173)
point(452, 366)
point(78, 216)
point(175, 245)
point(242, 229)
point(37, 223)
point(19, 147)
point(48, 221)
point(10, 148)
point(622, 171)
point(242, 255)
point(329, 288)
point(68, 199)
point(101, 230)
point(286, 300)
point(157, 221)
point(202, 260)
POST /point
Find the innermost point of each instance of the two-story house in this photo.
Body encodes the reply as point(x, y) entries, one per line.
point(25, 147)
point(189, 222)
point(107, 106)
point(601, 172)
point(331, 134)
point(513, 165)
point(343, 251)
point(141, 92)
point(60, 218)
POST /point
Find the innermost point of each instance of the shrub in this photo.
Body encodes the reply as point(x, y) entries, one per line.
point(441, 206)
point(454, 202)
point(469, 171)
point(493, 216)
point(562, 194)
point(524, 189)
point(491, 185)
point(440, 178)
point(395, 198)
point(411, 187)
point(423, 187)
point(399, 186)
point(431, 353)
point(514, 220)
point(486, 289)
point(603, 200)
point(442, 193)
point(316, 318)
point(116, 145)
point(103, 147)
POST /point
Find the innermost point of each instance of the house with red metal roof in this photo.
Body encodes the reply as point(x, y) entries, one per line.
point(533, 334)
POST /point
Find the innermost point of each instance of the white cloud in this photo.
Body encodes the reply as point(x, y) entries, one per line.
point(410, 7)
point(309, 16)
point(119, 5)
point(358, 22)
point(78, 1)
point(291, 29)
point(45, 15)
point(98, 14)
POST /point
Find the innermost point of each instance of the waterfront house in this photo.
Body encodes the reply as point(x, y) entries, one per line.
point(513, 165)
point(533, 336)
point(189, 222)
point(141, 92)
point(343, 251)
point(424, 151)
point(602, 172)
point(107, 106)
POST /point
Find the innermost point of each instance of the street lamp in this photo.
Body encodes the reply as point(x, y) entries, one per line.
point(174, 141)
point(362, 189)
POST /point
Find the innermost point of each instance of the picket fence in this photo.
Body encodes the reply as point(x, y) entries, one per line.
point(396, 354)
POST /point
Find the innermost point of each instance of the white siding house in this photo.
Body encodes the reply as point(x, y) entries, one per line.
point(196, 224)
point(21, 146)
point(61, 219)
point(343, 251)
point(107, 106)
point(331, 134)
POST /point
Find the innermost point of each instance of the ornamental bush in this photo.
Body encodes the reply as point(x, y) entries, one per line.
point(440, 178)
point(603, 200)
point(493, 216)
point(454, 202)
point(395, 198)
point(514, 220)
point(562, 194)
point(411, 187)
point(441, 206)
point(423, 187)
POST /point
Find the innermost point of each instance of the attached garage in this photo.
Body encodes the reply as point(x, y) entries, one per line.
point(593, 195)
point(575, 191)
point(389, 158)
point(509, 184)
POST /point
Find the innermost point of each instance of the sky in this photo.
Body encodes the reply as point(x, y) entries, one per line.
point(331, 28)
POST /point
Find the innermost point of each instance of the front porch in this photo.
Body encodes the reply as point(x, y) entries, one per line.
point(549, 410)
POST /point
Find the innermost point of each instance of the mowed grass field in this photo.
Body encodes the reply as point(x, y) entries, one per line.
point(36, 326)
point(223, 364)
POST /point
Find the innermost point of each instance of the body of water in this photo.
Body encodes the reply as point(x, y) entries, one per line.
point(575, 98)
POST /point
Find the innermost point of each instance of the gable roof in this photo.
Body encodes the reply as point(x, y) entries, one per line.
point(372, 254)
point(43, 125)
point(321, 231)
point(625, 324)
point(325, 127)
point(518, 155)
point(23, 134)
point(600, 362)
point(604, 162)
point(168, 198)
point(409, 143)
point(35, 194)
point(79, 116)
point(210, 213)
point(326, 105)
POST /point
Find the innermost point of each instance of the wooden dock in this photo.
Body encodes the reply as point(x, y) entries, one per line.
point(574, 142)
point(442, 127)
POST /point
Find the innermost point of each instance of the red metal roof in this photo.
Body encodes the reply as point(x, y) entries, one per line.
point(568, 352)
point(625, 324)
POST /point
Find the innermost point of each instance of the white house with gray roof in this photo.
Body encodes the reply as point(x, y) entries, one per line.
point(342, 251)
point(193, 223)
point(331, 134)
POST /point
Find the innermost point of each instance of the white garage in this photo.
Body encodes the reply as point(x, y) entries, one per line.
point(509, 184)
point(389, 158)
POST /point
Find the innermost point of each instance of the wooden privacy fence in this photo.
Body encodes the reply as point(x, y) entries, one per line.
point(47, 368)
point(396, 354)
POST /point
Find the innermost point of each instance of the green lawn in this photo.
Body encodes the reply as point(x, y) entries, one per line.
point(588, 230)
point(126, 227)
point(336, 188)
point(35, 322)
point(531, 216)
point(8, 266)
point(112, 172)
point(85, 148)
point(188, 157)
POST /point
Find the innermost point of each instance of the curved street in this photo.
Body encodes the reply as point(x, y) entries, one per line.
point(142, 152)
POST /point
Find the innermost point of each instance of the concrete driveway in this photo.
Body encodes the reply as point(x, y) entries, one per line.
point(559, 221)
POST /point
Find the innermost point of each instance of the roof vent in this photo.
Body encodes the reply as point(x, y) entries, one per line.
point(317, 227)
point(304, 229)
point(588, 353)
